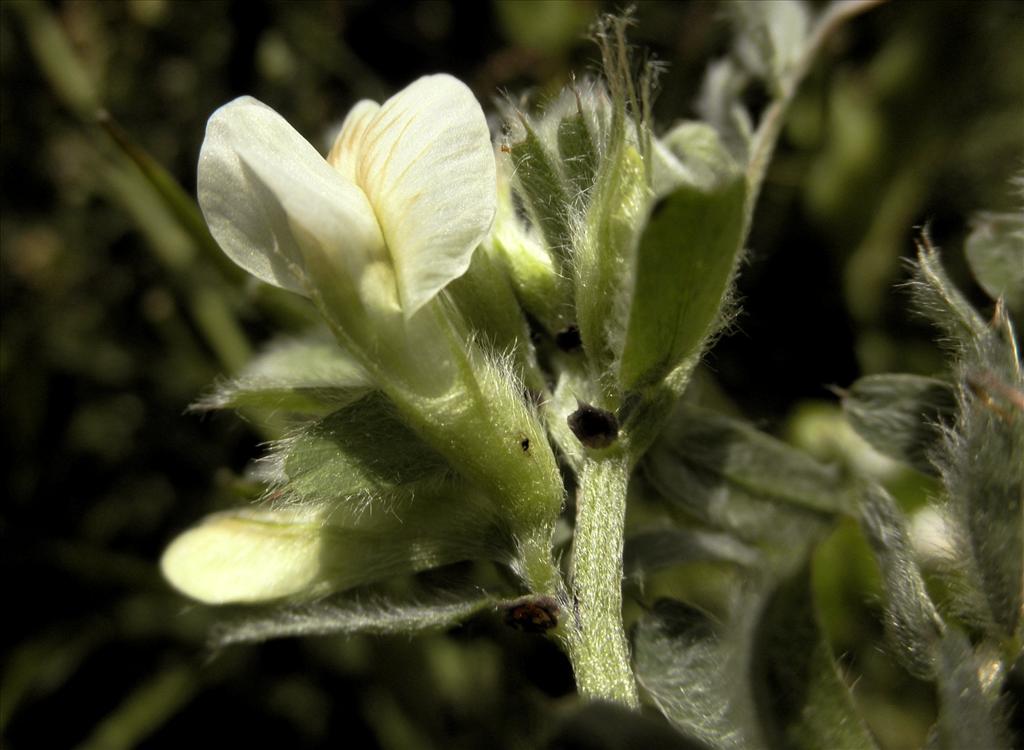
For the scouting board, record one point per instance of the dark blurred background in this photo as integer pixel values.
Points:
(114, 319)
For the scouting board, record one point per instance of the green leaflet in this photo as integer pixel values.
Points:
(772, 37)
(912, 624)
(306, 377)
(803, 702)
(981, 458)
(705, 461)
(655, 549)
(901, 415)
(763, 679)
(696, 673)
(968, 716)
(684, 264)
(995, 252)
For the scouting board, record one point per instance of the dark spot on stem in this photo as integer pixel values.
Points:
(595, 428)
(531, 614)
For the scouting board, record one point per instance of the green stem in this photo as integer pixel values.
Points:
(597, 644)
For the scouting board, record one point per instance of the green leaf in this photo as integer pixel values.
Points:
(685, 263)
(697, 673)
(352, 456)
(804, 704)
(968, 717)
(309, 377)
(655, 549)
(912, 624)
(995, 252)
(901, 416)
(702, 456)
(348, 615)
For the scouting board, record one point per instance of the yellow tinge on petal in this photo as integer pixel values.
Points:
(344, 154)
(246, 556)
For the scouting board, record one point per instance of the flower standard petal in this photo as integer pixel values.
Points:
(271, 200)
(426, 164)
(344, 154)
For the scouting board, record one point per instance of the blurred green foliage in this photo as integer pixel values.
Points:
(117, 315)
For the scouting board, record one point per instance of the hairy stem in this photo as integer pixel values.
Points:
(597, 644)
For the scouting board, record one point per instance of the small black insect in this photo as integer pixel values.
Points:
(531, 614)
(595, 428)
(525, 444)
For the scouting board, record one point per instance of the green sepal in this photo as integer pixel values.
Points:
(684, 265)
(604, 251)
(350, 457)
(542, 292)
(579, 157)
(540, 183)
(487, 302)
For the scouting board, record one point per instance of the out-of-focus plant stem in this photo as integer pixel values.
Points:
(144, 189)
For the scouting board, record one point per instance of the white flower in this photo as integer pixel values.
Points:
(391, 216)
